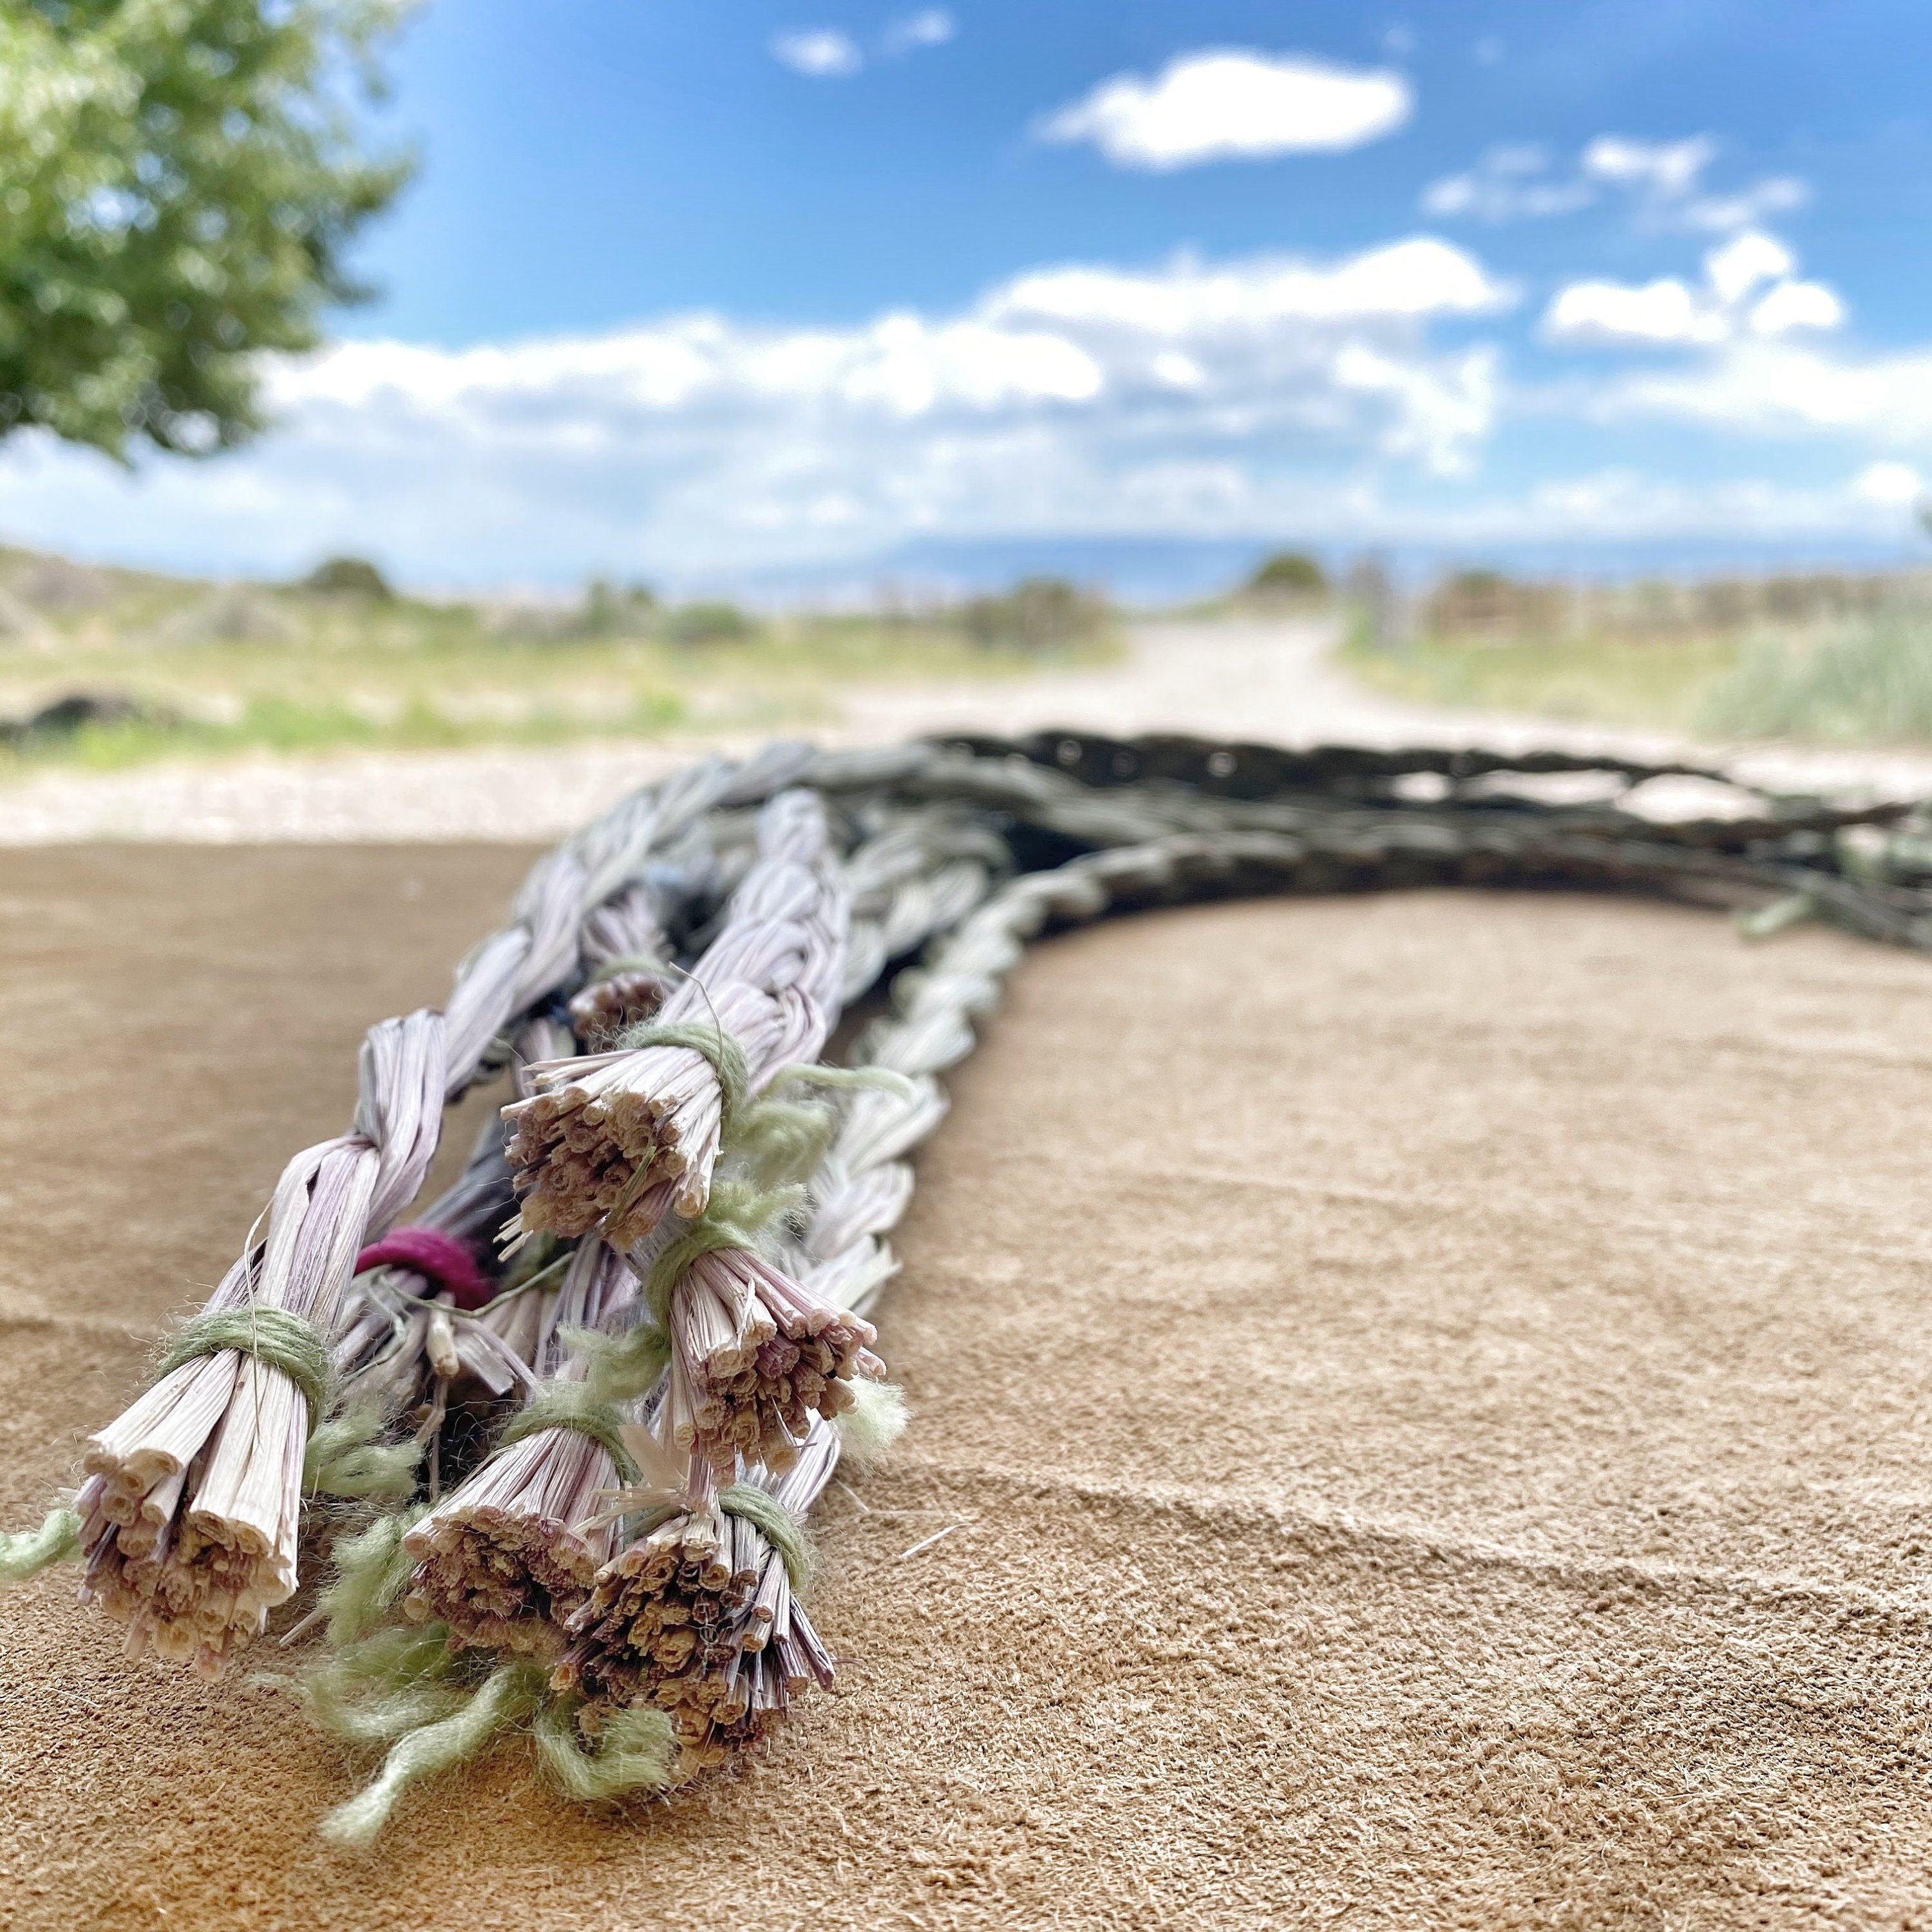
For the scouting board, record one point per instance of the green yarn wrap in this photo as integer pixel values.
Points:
(509, 1695)
(782, 1530)
(433, 1722)
(626, 962)
(374, 1690)
(634, 1751)
(620, 1368)
(875, 1079)
(271, 1335)
(874, 1422)
(573, 1405)
(348, 1455)
(725, 1054)
(27, 1551)
(371, 1567)
(780, 1140)
(733, 1218)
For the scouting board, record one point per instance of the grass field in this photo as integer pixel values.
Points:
(1662, 686)
(1864, 681)
(202, 669)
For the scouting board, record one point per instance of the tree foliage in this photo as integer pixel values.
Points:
(1288, 573)
(178, 179)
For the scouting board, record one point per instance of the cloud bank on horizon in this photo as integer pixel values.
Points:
(1654, 362)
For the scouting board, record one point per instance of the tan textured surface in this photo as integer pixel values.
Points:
(1436, 1387)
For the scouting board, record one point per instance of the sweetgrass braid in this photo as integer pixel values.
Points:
(972, 846)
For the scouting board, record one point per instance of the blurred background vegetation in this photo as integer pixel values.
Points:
(1823, 657)
(110, 666)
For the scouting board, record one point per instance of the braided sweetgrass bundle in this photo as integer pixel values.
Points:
(559, 1437)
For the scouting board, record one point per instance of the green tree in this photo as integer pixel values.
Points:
(1288, 573)
(178, 179)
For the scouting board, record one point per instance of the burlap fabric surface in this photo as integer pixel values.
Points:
(1435, 1389)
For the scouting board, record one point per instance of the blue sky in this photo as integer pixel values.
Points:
(753, 294)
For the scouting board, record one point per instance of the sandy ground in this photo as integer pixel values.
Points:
(1264, 681)
(1433, 1391)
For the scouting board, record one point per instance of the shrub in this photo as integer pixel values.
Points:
(611, 610)
(1038, 613)
(708, 623)
(1288, 573)
(349, 577)
(1486, 604)
(1868, 682)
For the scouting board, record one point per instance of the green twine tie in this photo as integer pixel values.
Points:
(572, 1406)
(782, 1530)
(732, 1218)
(726, 1056)
(441, 1727)
(274, 1336)
(626, 962)
(620, 1368)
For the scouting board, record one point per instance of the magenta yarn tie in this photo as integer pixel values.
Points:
(438, 1258)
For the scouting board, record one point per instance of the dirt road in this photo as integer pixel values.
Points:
(1271, 681)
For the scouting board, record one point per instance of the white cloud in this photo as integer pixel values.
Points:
(1411, 280)
(1776, 387)
(1738, 267)
(1718, 213)
(1797, 305)
(1891, 485)
(1516, 181)
(1667, 168)
(901, 363)
(1661, 311)
(1229, 104)
(1178, 370)
(1200, 398)
(931, 27)
(822, 53)
(1669, 311)
(1506, 184)
(1445, 410)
